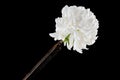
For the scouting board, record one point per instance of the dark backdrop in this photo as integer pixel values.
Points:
(27, 40)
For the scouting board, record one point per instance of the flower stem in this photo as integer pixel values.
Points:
(44, 60)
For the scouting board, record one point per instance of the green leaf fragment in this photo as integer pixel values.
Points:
(66, 40)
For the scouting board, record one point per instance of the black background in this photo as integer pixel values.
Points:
(27, 39)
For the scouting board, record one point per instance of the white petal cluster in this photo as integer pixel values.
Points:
(76, 28)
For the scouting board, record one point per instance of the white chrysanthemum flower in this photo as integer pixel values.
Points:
(76, 28)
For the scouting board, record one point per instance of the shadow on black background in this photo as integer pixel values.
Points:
(28, 40)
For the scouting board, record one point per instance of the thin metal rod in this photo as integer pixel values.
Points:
(42, 60)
